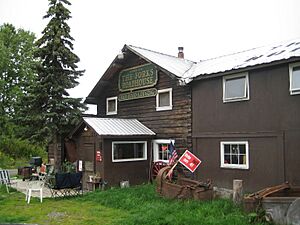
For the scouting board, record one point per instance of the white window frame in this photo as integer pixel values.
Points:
(293, 91)
(234, 166)
(246, 94)
(162, 108)
(128, 142)
(116, 105)
(155, 148)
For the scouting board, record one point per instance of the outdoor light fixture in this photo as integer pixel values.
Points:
(120, 55)
(85, 128)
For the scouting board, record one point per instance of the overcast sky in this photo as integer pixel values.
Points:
(205, 28)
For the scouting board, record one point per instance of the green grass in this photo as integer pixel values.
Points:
(136, 205)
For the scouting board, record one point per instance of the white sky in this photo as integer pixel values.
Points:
(205, 28)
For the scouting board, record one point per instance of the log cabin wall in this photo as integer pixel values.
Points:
(55, 154)
(99, 168)
(85, 142)
(51, 152)
(175, 123)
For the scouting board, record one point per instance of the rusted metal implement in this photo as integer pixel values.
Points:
(281, 203)
(253, 201)
(268, 191)
(182, 188)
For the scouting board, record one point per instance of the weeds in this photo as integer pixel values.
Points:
(137, 205)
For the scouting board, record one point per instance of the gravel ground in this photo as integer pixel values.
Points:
(21, 186)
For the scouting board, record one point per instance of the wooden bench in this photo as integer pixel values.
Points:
(65, 184)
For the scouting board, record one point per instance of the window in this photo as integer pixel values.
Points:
(123, 151)
(294, 70)
(236, 88)
(164, 99)
(111, 106)
(235, 154)
(160, 150)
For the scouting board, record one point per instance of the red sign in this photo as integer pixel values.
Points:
(98, 156)
(190, 161)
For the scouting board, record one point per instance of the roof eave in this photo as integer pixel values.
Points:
(173, 76)
(244, 69)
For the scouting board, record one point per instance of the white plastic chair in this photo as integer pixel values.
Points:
(34, 186)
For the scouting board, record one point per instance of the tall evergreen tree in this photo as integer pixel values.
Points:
(51, 108)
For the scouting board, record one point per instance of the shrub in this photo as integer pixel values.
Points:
(15, 149)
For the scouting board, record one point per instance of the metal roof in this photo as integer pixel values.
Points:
(118, 127)
(252, 57)
(186, 70)
(175, 65)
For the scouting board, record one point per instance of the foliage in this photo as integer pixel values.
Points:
(5, 160)
(135, 205)
(258, 217)
(9, 162)
(16, 147)
(17, 73)
(51, 108)
(68, 167)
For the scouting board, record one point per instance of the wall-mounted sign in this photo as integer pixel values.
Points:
(137, 77)
(98, 156)
(137, 94)
(79, 165)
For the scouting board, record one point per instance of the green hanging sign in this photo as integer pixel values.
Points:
(145, 93)
(138, 77)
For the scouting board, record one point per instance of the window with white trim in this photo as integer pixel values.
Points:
(234, 154)
(161, 150)
(294, 70)
(164, 99)
(123, 151)
(236, 87)
(111, 106)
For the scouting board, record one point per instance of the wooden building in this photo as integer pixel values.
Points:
(135, 86)
(246, 117)
(238, 113)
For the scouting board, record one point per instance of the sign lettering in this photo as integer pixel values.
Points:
(137, 78)
(137, 94)
(190, 161)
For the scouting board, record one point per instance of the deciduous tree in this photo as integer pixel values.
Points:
(17, 72)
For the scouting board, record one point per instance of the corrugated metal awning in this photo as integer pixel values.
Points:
(118, 127)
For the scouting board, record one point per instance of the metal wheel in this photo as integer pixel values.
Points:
(156, 168)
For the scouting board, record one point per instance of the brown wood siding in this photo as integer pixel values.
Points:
(51, 150)
(262, 172)
(55, 153)
(175, 123)
(86, 144)
(269, 121)
(136, 172)
(100, 147)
